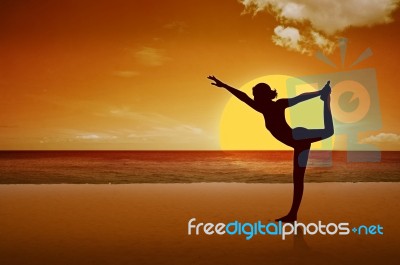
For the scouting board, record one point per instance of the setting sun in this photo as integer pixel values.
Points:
(242, 128)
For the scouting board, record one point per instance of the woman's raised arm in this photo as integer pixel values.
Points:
(237, 93)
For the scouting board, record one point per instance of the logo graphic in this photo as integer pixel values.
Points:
(355, 104)
(279, 229)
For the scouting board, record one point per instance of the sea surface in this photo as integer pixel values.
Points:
(115, 167)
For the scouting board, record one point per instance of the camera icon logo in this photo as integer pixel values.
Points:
(355, 109)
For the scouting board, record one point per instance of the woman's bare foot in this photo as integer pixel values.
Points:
(325, 96)
(326, 91)
(287, 219)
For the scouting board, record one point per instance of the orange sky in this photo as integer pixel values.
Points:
(131, 74)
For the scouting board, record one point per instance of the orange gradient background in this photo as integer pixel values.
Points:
(132, 74)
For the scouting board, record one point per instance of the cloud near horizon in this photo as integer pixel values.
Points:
(382, 138)
(320, 26)
(153, 127)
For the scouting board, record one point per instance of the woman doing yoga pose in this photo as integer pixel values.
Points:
(298, 138)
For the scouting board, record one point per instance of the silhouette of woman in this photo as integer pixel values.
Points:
(298, 138)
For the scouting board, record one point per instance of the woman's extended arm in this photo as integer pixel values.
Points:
(309, 95)
(237, 93)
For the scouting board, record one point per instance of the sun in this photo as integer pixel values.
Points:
(242, 128)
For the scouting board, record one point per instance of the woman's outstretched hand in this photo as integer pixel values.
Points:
(217, 82)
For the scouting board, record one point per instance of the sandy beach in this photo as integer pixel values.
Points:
(147, 223)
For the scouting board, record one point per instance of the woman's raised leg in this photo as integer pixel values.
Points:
(328, 121)
(315, 135)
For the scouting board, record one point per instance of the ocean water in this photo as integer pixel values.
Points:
(114, 167)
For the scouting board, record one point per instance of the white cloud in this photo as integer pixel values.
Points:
(125, 126)
(326, 18)
(92, 136)
(87, 136)
(151, 56)
(288, 37)
(179, 26)
(382, 138)
(176, 133)
(125, 112)
(153, 127)
(125, 74)
(77, 136)
(322, 42)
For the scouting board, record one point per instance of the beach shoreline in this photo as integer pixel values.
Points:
(147, 223)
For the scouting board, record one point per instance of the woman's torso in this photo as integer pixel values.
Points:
(275, 121)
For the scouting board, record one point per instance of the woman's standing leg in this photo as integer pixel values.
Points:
(300, 159)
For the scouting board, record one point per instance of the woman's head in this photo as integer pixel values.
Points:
(262, 91)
